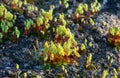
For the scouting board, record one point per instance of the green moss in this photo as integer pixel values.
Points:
(114, 36)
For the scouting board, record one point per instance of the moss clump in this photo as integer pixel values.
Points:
(63, 49)
(114, 36)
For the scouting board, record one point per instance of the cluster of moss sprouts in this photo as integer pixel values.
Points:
(31, 9)
(4, 14)
(22, 7)
(7, 21)
(60, 54)
(42, 21)
(64, 3)
(63, 49)
(28, 25)
(84, 13)
(14, 4)
(114, 36)
(105, 73)
(88, 60)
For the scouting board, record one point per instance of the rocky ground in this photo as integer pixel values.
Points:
(105, 56)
